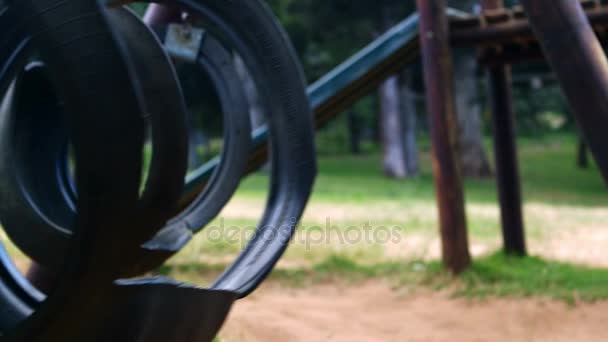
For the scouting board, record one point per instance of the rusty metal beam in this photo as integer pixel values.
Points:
(437, 60)
(577, 57)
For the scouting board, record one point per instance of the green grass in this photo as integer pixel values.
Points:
(502, 275)
(495, 275)
(352, 191)
(547, 164)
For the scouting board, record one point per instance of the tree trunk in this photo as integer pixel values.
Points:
(473, 156)
(408, 110)
(354, 130)
(392, 132)
(582, 159)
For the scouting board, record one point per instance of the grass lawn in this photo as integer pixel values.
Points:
(497, 275)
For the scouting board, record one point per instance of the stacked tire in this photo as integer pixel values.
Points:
(100, 77)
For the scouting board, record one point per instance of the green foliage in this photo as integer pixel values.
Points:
(327, 32)
(539, 111)
(333, 139)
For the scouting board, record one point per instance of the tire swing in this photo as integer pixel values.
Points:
(112, 225)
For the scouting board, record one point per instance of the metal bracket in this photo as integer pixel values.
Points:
(184, 41)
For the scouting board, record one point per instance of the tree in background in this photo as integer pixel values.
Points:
(393, 134)
(472, 152)
(391, 115)
(409, 100)
(473, 156)
(354, 130)
(325, 33)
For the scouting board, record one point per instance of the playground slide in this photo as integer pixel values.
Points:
(344, 85)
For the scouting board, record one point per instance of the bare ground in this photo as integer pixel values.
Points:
(557, 232)
(374, 312)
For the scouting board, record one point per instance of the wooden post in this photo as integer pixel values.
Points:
(575, 53)
(505, 151)
(437, 60)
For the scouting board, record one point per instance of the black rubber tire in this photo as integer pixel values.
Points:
(261, 43)
(249, 27)
(88, 68)
(108, 206)
(206, 202)
(35, 174)
(264, 47)
(34, 201)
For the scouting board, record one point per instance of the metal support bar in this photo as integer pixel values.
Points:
(577, 58)
(437, 59)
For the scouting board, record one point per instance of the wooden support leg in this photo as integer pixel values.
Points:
(437, 59)
(507, 169)
(505, 151)
(575, 53)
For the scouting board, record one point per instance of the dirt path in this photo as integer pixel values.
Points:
(374, 312)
